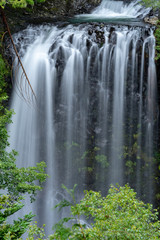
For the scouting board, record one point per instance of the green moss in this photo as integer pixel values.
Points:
(4, 73)
(54, 9)
(157, 35)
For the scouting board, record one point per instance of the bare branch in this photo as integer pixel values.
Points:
(16, 52)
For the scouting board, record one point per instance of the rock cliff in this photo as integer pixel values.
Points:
(50, 11)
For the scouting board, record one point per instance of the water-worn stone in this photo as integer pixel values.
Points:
(152, 20)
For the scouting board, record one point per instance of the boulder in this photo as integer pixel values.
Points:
(151, 19)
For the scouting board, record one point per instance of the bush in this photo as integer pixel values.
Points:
(119, 215)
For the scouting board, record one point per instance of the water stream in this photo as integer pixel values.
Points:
(95, 119)
(113, 11)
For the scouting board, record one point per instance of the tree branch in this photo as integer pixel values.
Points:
(16, 52)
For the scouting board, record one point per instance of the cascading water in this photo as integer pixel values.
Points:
(117, 9)
(96, 109)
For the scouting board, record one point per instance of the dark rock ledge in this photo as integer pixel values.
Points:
(48, 12)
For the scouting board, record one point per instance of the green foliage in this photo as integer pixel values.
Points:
(7, 208)
(19, 3)
(35, 232)
(155, 4)
(157, 35)
(130, 153)
(151, 3)
(119, 215)
(4, 71)
(5, 115)
(94, 155)
(69, 146)
(102, 159)
(15, 181)
(130, 167)
(62, 232)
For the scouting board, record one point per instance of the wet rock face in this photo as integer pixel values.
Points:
(49, 11)
(85, 6)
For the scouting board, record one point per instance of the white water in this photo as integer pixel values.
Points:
(95, 109)
(83, 93)
(118, 9)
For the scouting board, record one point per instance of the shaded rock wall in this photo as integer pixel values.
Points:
(50, 11)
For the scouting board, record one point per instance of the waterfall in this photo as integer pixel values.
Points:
(118, 9)
(95, 117)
